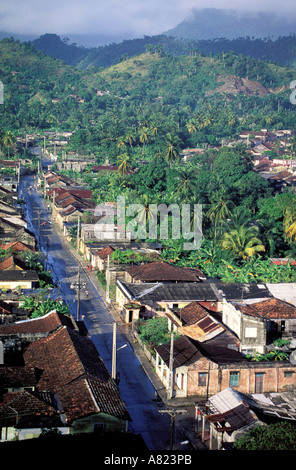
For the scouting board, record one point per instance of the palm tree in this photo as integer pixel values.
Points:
(143, 135)
(237, 218)
(243, 242)
(144, 214)
(130, 138)
(124, 164)
(33, 261)
(171, 148)
(121, 143)
(219, 209)
(191, 126)
(289, 222)
(8, 140)
(185, 183)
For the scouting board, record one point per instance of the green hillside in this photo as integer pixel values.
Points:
(141, 113)
(281, 50)
(227, 92)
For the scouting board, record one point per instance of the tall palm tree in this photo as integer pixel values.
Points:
(243, 242)
(289, 222)
(124, 164)
(192, 126)
(185, 183)
(8, 140)
(143, 136)
(121, 144)
(219, 209)
(171, 148)
(130, 138)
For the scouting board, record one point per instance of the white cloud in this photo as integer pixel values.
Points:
(115, 16)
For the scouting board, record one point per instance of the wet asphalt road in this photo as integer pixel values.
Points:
(135, 387)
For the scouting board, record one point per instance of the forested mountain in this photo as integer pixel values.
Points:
(140, 114)
(44, 92)
(281, 50)
(210, 23)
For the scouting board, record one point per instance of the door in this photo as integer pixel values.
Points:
(130, 316)
(259, 382)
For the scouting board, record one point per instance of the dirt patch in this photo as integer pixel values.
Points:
(235, 85)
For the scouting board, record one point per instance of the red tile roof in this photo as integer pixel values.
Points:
(69, 365)
(44, 324)
(70, 361)
(28, 407)
(17, 246)
(270, 309)
(105, 168)
(103, 254)
(192, 313)
(12, 262)
(163, 271)
(83, 193)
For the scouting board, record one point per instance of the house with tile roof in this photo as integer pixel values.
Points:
(258, 324)
(99, 258)
(162, 271)
(204, 368)
(159, 298)
(11, 231)
(232, 414)
(66, 366)
(14, 279)
(12, 263)
(16, 246)
(198, 323)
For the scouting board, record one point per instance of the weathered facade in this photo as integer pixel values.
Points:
(204, 370)
(257, 324)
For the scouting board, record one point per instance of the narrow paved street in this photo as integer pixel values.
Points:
(135, 387)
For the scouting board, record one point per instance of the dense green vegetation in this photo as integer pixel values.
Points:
(141, 113)
(154, 332)
(280, 50)
(277, 436)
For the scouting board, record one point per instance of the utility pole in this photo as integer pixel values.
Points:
(114, 352)
(19, 173)
(78, 285)
(171, 367)
(39, 230)
(78, 294)
(78, 234)
(53, 202)
(173, 414)
(107, 279)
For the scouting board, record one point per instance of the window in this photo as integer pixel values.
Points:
(158, 308)
(250, 332)
(259, 382)
(234, 379)
(288, 373)
(98, 427)
(202, 379)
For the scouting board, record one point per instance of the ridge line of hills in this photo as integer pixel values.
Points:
(43, 91)
(281, 50)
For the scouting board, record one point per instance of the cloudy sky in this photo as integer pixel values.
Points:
(129, 18)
